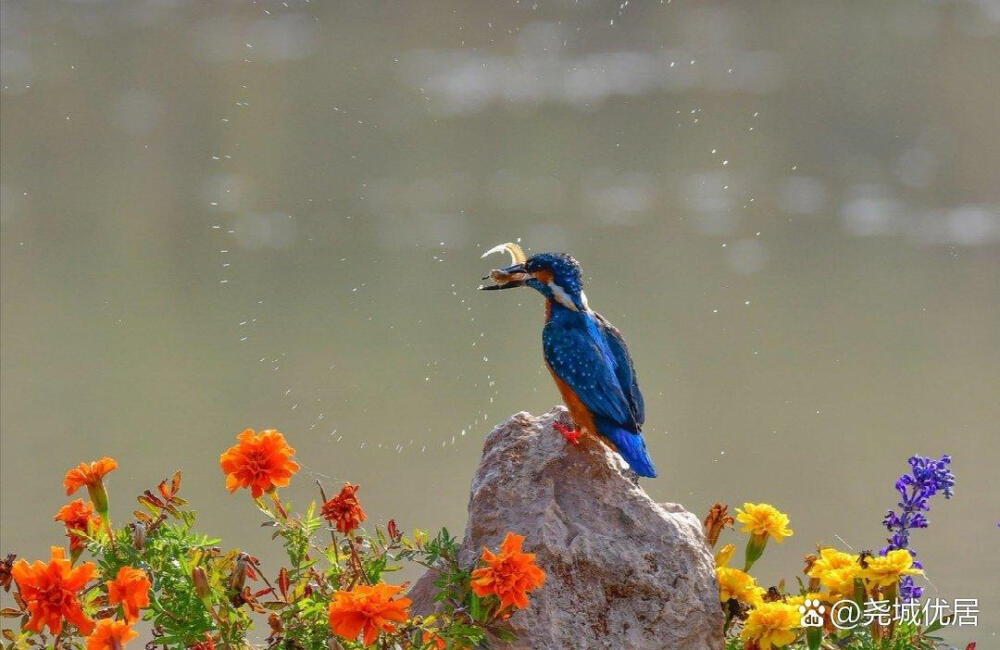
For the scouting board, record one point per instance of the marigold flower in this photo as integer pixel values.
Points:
(809, 595)
(734, 583)
(430, 637)
(369, 610)
(110, 635)
(344, 510)
(130, 588)
(259, 462)
(79, 517)
(50, 592)
(841, 581)
(770, 625)
(509, 575)
(835, 570)
(763, 519)
(724, 554)
(88, 474)
(91, 476)
(884, 571)
(716, 520)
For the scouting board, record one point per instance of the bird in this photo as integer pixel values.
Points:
(586, 355)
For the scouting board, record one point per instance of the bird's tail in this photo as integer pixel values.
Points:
(632, 448)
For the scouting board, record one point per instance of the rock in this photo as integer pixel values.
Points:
(622, 571)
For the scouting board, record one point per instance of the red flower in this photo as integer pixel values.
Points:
(79, 517)
(50, 592)
(130, 588)
(509, 575)
(260, 462)
(110, 635)
(344, 510)
(369, 609)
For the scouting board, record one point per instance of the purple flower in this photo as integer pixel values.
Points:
(926, 478)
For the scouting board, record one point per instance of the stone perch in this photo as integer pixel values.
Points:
(622, 571)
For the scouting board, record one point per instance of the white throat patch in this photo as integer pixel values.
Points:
(562, 297)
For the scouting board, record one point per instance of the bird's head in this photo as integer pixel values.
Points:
(555, 275)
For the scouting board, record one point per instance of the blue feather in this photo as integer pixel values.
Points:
(632, 448)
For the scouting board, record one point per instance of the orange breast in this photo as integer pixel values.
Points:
(581, 416)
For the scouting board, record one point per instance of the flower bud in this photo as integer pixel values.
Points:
(200, 580)
(723, 555)
(239, 576)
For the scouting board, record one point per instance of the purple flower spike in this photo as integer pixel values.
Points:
(926, 478)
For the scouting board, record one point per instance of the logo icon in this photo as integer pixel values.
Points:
(812, 613)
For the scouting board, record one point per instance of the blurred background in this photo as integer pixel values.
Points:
(270, 214)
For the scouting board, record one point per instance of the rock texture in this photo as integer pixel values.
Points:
(622, 571)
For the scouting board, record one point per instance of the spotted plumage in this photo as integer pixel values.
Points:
(586, 354)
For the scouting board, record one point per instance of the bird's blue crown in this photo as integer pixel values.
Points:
(564, 269)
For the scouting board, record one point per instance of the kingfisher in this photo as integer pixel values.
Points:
(584, 352)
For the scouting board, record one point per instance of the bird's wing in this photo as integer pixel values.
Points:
(625, 370)
(581, 358)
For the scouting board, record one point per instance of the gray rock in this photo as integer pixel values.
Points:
(622, 571)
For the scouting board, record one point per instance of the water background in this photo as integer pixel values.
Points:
(266, 214)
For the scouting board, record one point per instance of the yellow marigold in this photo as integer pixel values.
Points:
(110, 635)
(812, 595)
(368, 610)
(885, 571)
(771, 625)
(734, 583)
(831, 558)
(763, 519)
(836, 570)
(260, 462)
(509, 575)
(130, 588)
(841, 581)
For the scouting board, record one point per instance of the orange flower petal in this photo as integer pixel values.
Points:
(87, 474)
(130, 588)
(260, 462)
(50, 592)
(110, 635)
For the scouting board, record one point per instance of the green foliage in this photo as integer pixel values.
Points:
(203, 596)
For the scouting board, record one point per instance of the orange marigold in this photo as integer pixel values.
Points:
(78, 516)
(510, 575)
(207, 644)
(429, 637)
(130, 588)
(260, 462)
(344, 510)
(368, 609)
(110, 635)
(50, 592)
(88, 474)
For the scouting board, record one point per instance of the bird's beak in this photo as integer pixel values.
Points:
(506, 278)
(511, 276)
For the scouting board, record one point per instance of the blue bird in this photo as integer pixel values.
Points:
(586, 354)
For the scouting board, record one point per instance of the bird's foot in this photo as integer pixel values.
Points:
(571, 435)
